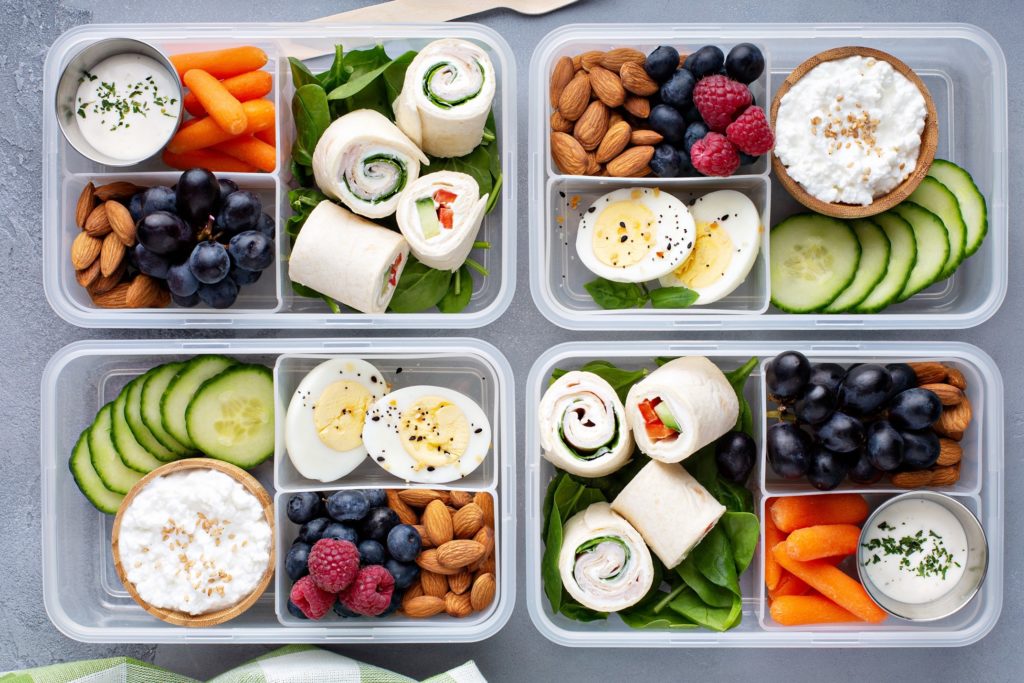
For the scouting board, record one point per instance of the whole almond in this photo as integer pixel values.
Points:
(423, 606)
(143, 291)
(105, 283)
(577, 63)
(631, 162)
(642, 173)
(457, 606)
(87, 276)
(467, 521)
(593, 167)
(588, 60)
(485, 537)
(121, 222)
(412, 592)
(614, 117)
(459, 553)
(486, 504)
(955, 436)
(85, 249)
(955, 419)
(487, 566)
(433, 583)
(607, 87)
(929, 372)
(117, 297)
(947, 393)
(162, 299)
(119, 189)
(645, 137)
(575, 97)
(913, 479)
(406, 515)
(635, 80)
(591, 127)
(561, 74)
(639, 107)
(614, 60)
(956, 378)
(427, 560)
(460, 583)
(950, 452)
(945, 476)
(419, 498)
(615, 140)
(86, 201)
(482, 594)
(97, 224)
(111, 254)
(568, 154)
(424, 539)
(560, 124)
(438, 523)
(460, 498)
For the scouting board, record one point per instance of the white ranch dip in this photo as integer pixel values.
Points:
(850, 130)
(127, 106)
(194, 541)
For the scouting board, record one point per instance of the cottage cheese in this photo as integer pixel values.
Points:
(194, 541)
(850, 130)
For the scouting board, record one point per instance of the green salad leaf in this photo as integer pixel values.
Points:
(301, 75)
(621, 380)
(689, 605)
(673, 297)
(614, 296)
(419, 288)
(743, 530)
(459, 293)
(312, 116)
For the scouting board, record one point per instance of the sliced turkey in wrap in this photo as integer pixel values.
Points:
(348, 258)
(440, 215)
(583, 428)
(604, 562)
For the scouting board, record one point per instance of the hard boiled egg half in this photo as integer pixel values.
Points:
(324, 423)
(427, 434)
(635, 234)
(728, 237)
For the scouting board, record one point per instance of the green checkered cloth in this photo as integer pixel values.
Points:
(290, 664)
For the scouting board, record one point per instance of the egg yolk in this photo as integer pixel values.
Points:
(623, 233)
(712, 253)
(339, 414)
(434, 431)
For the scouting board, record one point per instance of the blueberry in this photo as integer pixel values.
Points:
(787, 375)
(920, 449)
(181, 281)
(296, 561)
(662, 63)
(347, 506)
(378, 523)
(135, 206)
(691, 114)
(863, 472)
(185, 301)
(265, 225)
(376, 497)
(828, 375)
(304, 506)
(815, 405)
(404, 573)
(666, 162)
(158, 198)
(678, 89)
(667, 121)
(344, 612)
(841, 433)
(294, 610)
(251, 250)
(694, 132)
(735, 454)
(914, 409)
(396, 602)
(313, 530)
(685, 165)
(220, 295)
(341, 532)
(903, 377)
(865, 389)
(705, 61)
(371, 552)
(150, 263)
(209, 262)
(404, 543)
(884, 446)
(242, 277)
(746, 159)
(744, 63)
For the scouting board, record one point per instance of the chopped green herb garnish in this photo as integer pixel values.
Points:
(936, 562)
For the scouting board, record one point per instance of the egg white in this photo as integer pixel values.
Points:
(381, 436)
(737, 215)
(312, 457)
(673, 239)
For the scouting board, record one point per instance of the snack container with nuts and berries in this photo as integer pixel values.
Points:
(85, 599)
(979, 487)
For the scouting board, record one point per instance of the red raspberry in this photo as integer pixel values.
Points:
(751, 133)
(714, 155)
(333, 564)
(370, 594)
(309, 598)
(719, 99)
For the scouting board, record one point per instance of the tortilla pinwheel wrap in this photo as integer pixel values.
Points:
(583, 428)
(446, 97)
(604, 563)
(440, 216)
(364, 161)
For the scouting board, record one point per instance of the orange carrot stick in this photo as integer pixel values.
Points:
(250, 150)
(259, 115)
(798, 610)
(268, 135)
(823, 540)
(208, 159)
(796, 512)
(788, 585)
(772, 536)
(251, 85)
(222, 106)
(221, 63)
(832, 583)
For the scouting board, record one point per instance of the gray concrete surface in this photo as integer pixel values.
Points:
(30, 332)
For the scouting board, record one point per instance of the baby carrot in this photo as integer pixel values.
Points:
(823, 540)
(205, 132)
(772, 536)
(222, 106)
(798, 610)
(268, 135)
(251, 85)
(796, 512)
(208, 159)
(788, 585)
(250, 150)
(832, 583)
(221, 63)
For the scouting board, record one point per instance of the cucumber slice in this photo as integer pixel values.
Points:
(902, 257)
(813, 259)
(131, 451)
(90, 484)
(133, 416)
(666, 416)
(112, 472)
(181, 390)
(973, 209)
(231, 417)
(874, 260)
(932, 247)
(152, 393)
(933, 195)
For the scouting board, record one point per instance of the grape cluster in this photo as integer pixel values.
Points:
(855, 423)
(205, 237)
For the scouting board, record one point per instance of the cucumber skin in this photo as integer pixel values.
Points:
(786, 309)
(911, 206)
(165, 439)
(238, 368)
(109, 507)
(906, 276)
(119, 402)
(879, 278)
(94, 437)
(189, 365)
(969, 247)
(929, 183)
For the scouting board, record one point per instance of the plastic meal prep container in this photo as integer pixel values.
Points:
(270, 303)
(82, 594)
(980, 489)
(964, 69)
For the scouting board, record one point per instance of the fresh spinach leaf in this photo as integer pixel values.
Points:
(336, 75)
(646, 617)
(494, 195)
(394, 74)
(621, 380)
(690, 606)
(702, 467)
(301, 75)
(354, 85)
(476, 164)
(578, 612)
(714, 559)
(460, 291)
(550, 575)
(734, 497)
(713, 595)
(673, 297)
(312, 117)
(661, 360)
(616, 295)
(567, 493)
(743, 531)
(738, 379)
(419, 288)
(549, 498)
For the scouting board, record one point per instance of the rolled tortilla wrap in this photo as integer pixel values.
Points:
(583, 428)
(440, 215)
(690, 392)
(446, 97)
(364, 161)
(669, 508)
(348, 258)
(604, 562)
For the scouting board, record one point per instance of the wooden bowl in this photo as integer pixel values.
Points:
(176, 617)
(929, 139)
